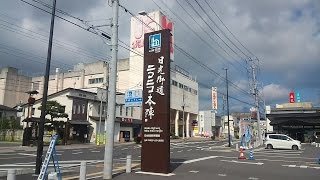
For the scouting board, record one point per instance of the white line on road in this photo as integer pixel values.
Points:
(180, 151)
(156, 174)
(303, 166)
(27, 154)
(77, 153)
(199, 159)
(124, 149)
(243, 162)
(95, 151)
(193, 171)
(189, 150)
(253, 178)
(223, 175)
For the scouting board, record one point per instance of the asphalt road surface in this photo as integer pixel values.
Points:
(189, 160)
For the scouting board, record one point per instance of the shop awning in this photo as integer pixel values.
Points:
(34, 119)
(295, 119)
(79, 122)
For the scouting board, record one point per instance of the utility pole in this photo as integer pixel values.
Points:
(100, 117)
(229, 138)
(183, 106)
(108, 153)
(45, 94)
(256, 99)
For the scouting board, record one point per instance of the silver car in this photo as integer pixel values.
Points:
(281, 141)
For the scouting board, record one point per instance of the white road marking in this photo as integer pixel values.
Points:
(124, 149)
(223, 175)
(243, 162)
(303, 166)
(95, 151)
(139, 156)
(189, 150)
(58, 154)
(155, 174)
(194, 171)
(253, 178)
(179, 151)
(77, 153)
(25, 154)
(199, 159)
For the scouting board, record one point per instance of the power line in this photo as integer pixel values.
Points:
(213, 30)
(229, 30)
(213, 48)
(220, 29)
(194, 59)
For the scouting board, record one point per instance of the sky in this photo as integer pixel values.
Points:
(282, 37)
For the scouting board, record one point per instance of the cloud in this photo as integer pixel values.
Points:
(275, 92)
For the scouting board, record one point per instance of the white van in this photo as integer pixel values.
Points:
(281, 141)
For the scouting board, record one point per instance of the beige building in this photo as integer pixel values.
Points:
(13, 87)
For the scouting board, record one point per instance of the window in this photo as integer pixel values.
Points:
(131, 111)
(79, 109)
(83, 108)
(273, 137)
(120, 110)
(96, 81)
(180, 85)
(74, 109)
(175, 83)
(127, 111)
(33, 110)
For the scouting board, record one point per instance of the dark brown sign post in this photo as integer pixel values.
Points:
(155, 152)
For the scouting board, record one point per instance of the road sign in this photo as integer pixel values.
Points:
(133, 98)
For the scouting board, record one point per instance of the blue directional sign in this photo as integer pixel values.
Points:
(133, 98)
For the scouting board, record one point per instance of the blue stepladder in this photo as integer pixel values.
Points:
(51, 154)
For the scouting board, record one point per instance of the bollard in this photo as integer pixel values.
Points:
(237, 147)
(11, 174)
(128, 164)
(83, 170)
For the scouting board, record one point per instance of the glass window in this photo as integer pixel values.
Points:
(120, 110)
(127, 111)
(131, 111)
(273, 137)
(79, 109)
(74, 109)
(83, 108)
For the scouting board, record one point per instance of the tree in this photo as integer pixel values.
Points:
(55, 110)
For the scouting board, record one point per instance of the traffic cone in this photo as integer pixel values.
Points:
(251, 155)
(241, 154)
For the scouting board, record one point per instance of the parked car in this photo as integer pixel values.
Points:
(281, 141)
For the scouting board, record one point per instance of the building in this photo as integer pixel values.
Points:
(7, 112)
(209, 123)
(83, 110)
(226, 127)
(298, 120)
(13, 87)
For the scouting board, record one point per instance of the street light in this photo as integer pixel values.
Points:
(229, 139)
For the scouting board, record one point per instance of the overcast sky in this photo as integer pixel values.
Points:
(284, 35)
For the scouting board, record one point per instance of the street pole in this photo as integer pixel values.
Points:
(100, 114)
(255, 93)
(229, 139)
(45, 93)
(108, 153)
(183, 105)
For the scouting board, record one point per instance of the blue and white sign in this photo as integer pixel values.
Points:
(133, 98)
(155, 41)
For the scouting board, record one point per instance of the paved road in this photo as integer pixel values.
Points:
(198, 159)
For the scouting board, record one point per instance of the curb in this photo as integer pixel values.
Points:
(3, 173)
